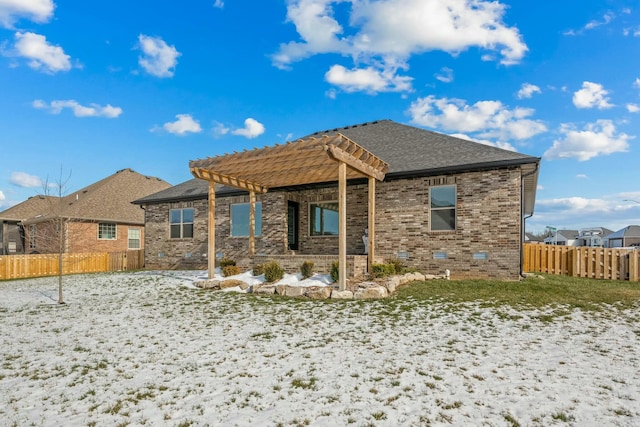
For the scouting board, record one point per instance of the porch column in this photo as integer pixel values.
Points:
(372, 224)
(342, 225)
(212, 229)
(252, 223)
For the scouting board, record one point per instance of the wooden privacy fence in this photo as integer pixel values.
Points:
(24, 266)
(595, 263)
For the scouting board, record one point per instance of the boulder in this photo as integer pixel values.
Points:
(264, 289)
(392, 284)
(208, 284)
(371, 292)
(294, 291)
(281, 289)
(419, 277)
(318, 292)
(231, 283)
(337, 294)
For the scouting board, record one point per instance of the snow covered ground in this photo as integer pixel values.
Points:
(150, 349)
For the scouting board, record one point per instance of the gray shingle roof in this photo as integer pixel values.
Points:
(410, 151)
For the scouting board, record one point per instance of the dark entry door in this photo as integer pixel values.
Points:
(293, 214)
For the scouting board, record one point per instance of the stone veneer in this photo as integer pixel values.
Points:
(488, 224)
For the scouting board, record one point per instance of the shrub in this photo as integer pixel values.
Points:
(397, 263)
(230, 270)
(306, 269)
(258, 270)
(224, 262)
(382, 270)
(273, 272)
(335, 271)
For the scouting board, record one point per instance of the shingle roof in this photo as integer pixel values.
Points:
(410, 151)
(109, 199)
(29, 208)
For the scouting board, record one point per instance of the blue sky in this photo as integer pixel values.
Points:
(93, 87)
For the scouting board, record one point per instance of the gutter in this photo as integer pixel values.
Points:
(524, 218)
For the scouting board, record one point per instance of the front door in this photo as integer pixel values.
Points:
(293, 214)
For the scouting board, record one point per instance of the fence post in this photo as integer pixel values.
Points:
(633, 265)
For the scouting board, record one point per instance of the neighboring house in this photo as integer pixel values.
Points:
(628, 236)
(532, 238)
(593, 236)
(563, 237)
(12, 233)
(97, 218)
(440, 203)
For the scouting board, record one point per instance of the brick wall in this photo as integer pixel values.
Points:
(488, 225)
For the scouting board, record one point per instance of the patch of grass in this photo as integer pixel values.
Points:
(304, 384)
(562, 416)
(534, 292)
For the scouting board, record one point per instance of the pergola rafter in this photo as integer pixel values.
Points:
(306, 161)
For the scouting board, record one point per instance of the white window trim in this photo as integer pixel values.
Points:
(115, 229)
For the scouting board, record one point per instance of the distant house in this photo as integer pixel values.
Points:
(628, 236)
(100, 217)
(564, 238)
(593, 236)
(532, 238)
(435, 201)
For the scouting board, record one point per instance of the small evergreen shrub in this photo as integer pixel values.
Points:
(335, 271)
(258, 270)
(382, 270)
(226, 261)
(230, 270)
(307, 269)
(397, 263)
(273, 272)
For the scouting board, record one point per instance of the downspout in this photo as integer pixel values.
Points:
(524, 219)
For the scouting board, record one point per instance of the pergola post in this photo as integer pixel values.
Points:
(252, 223)
(212, 229)
(342, 225)
(371, 255)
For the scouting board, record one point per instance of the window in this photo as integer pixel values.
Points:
(106, 231)
(32, 236)
(181, 222)
(240, 219)
(134, 238)
(443, 208)
(323, 219)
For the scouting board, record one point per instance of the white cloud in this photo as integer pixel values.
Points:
(636, 83)
(608, 17)
(367, 80)
(599, 138)
(384, 34)
(41, 55)
(158, 58)
(23, 179)
(491, 118)
(592, 95)
(93, 110)
(527, 90)
(540, 187)
(219, 4)
(252, 128)
(220, 130)
(445, 75)
(582, 176)
(498, 144)
(34, 10)
(2, 197)
(633, 108)
(183, 125)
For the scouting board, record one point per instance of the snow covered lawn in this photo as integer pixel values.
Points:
(150, 349)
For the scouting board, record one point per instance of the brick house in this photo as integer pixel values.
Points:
(439, 203)
(97, 218)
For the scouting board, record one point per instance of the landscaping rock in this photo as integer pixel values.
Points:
(337, 294)
(392, 284)
(231, 283)
(208, 284)
(318, 292)
(294, 291)
(371, 292)
(264, 289)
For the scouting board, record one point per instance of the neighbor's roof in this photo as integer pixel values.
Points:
(109, 199)
(409, 151)
(29, 208)
(628, 231)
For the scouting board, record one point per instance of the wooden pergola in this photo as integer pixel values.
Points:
(306, 161)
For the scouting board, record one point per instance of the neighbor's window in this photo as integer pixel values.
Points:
(323, 219)
(443, 208)
(181, 222)
(240, 219)
(32, 236)
(106, 231)
(134, 238)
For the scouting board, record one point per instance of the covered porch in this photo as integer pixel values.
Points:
(299, 163)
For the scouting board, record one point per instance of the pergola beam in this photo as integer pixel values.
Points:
(355, 163)
(220, 178)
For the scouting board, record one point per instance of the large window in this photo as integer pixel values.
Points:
(134, 238)
(240, 220)
(181, 221)
(106, 231)
(443, 208)
(323, 219)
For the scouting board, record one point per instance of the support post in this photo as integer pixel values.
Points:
(342, 225)
(371, 224)
(212, 229)
(252, 223)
